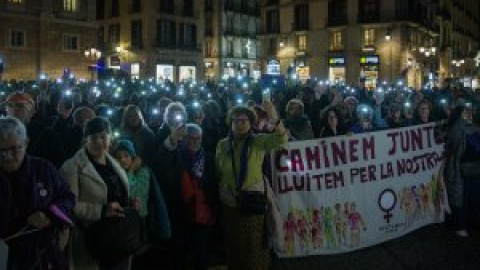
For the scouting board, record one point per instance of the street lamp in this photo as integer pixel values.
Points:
(93, 55)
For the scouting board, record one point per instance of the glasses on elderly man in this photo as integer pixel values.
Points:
(13, 150)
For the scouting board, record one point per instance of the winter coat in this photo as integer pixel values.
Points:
(45, 187)
(91, 192)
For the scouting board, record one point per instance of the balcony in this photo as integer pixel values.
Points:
(169, 45)
(304, 26)
(337, 21)
(368, 18)
(190, 47)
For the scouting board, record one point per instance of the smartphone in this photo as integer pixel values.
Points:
(266, 95)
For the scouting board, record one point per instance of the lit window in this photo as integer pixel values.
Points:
(70, 42)
(70, 5)
(17, 38)
(302, 42)
(337, 42)
(15, 1)
(368, 37)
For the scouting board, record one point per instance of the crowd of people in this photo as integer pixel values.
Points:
(74, 153)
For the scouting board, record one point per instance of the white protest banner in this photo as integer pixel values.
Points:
(344, 193)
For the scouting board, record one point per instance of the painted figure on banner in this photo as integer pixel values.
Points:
(406, 204)
(417, 206)
(289, 228)
(340, 225)
(425, 195)
(355, 220)
(317, 228)
(302, 231)
(328, 227)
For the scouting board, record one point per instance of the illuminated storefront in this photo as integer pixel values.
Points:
(164, 72)
(369, 70)
(187, 73)
(336, 69)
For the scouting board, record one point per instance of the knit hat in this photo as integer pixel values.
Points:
(125, 145)
(20, 97)
(96, 125)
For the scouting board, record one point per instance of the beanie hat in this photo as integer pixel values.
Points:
(20, 97)
(126, 145)
(96, 125)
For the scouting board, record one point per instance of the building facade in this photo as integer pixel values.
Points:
(45, 37)
(231, 45)
(371, 42)
(159, 39)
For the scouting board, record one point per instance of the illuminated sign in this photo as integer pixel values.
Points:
(369, 60)
(273, 67)
(336, 61)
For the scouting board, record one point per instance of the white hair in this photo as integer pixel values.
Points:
(193, 129)
(11, 126)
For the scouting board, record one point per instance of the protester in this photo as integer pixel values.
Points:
(101, 187)
(135, 129)
(244, 234)
(145, 194)
(43, 142)
(35, 203)
(332, 124)
(297, 124)
(192, 182)
(73, 139)
(462, 167)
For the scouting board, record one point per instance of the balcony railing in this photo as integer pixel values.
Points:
(336, 21)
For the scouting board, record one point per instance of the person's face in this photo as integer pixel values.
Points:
(294, 110)
(194, 142)
(124, 159)
(351, 105)
(332, 119)
(132, 119)
(12, 153)
(84, 116)
(240, 124)
(424, 111)
(467, 115)
(198, 117)
(21, 110)
(98, 143)
(395, 115)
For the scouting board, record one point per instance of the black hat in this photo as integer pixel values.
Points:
(96, 125)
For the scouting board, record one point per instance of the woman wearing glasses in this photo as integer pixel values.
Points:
(35, 203)
(239, 159)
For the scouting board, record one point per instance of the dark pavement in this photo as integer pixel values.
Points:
(431, 247)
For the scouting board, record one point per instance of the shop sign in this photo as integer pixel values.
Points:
(273, 67)
(369, 60)
(336, 61)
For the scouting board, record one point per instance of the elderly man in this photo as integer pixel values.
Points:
(35, 203)
(44, 142)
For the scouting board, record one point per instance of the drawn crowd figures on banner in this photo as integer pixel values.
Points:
(325, 227)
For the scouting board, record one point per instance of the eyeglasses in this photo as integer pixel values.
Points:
(14, 150)
(240, 120)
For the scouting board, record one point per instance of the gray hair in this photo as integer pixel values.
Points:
(193, 129)
(79, 111)
(171, 110)
(11, 126)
